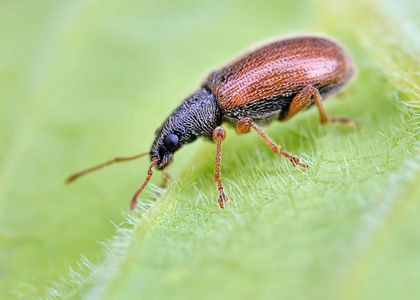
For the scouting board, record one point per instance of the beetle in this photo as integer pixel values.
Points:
(273, 82)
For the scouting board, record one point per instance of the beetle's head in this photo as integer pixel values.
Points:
(168, 139)
(197, 116)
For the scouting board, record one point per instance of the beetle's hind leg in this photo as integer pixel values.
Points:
(307, 96)
(244, 126)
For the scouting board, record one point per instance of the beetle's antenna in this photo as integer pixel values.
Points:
(149, 175)
(100, 166)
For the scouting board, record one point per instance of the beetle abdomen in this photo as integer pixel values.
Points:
(279, 71)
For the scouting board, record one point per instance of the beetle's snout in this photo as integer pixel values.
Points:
(164, 159)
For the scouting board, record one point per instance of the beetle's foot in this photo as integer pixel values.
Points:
(222, 197)
(296, 161)
(344, 121)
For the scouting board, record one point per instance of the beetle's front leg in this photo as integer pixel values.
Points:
(219, 135)
(244, 126)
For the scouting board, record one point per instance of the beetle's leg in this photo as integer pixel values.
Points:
(219, 135)
(244, 126)
(304, 98)
(166, 176)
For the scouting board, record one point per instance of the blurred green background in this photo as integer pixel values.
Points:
(84, 81)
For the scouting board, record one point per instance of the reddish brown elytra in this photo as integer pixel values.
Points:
(274, 82)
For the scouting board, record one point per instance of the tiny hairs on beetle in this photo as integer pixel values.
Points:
(274, 82)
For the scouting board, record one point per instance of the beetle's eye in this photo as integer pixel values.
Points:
(171, 142)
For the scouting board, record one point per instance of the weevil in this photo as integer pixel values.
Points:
(273, 82)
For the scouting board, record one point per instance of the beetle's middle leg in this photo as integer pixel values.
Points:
(307, 96)
(244, 126)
